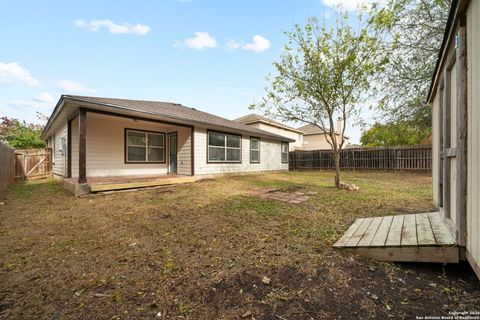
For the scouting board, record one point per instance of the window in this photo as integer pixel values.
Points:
(224, 147)
(254, 150)
(284, 152)
(143, 146)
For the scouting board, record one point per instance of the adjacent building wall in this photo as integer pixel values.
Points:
(435, 150)
(473, 158)
(270, 157)
(318, 142)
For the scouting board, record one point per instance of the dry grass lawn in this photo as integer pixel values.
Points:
(200, 251)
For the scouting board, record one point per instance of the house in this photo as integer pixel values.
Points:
(103, 144)
(266, 124)
(308, 137)
(455, 99)
(315, 138)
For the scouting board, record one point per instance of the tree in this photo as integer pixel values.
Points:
(394, 134)
(414, 32)
(19, 134)
(322, 75)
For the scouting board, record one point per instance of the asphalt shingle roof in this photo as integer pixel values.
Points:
(173, 111)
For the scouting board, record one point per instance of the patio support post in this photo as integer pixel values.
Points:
(82, 147)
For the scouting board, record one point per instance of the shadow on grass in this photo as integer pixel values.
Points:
(22, 189)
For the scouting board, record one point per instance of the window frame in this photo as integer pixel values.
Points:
(281, 151)
(146, 132)
(225, 147)
(259, 147)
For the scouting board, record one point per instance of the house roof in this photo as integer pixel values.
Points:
(311, 129)
(254, 118)
(456, 7)
(168, 110)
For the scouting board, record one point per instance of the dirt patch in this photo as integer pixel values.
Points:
(290, 195)
(202, 250)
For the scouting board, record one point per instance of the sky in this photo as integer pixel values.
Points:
(210, 55)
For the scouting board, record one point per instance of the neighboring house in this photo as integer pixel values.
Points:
(455, 97)
(266, 124)
(315, 138)
(308, 137)
(99, 137)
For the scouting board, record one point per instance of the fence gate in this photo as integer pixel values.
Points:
(33, 163)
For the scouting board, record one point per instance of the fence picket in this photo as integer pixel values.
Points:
(409, 158)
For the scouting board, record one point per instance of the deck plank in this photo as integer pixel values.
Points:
(395, 233)
(96, 187)
(442, 234)
(443, 254)
(424, 230)
(409, 230)
(353, 241)
(349, 233)
(370, 233)
(381, 236)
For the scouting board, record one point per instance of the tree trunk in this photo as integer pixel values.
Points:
(336, 159)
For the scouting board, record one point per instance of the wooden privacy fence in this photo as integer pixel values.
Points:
(7, 166)
(411, 158)
(33, 163)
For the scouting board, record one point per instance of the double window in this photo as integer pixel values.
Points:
(224, 147)
(144, 146)
(284, 152)
(254, 150)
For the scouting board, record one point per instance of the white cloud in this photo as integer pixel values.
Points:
(348, 4)
(26, 109)
(14, 72)
(259, 44)
(114, 28)
(202, 40)
(44, 97)
(233, 44)
(72, 86)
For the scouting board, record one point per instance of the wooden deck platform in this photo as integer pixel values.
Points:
(421, 237)
(99, 184)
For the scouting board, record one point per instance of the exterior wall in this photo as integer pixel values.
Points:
(270, 157)
(453, 143)
(59, 159)
(298, 137)
(74, 149)
(473, 139)
(435, 149)
(315, 142)
(106, 147)
(184, 140)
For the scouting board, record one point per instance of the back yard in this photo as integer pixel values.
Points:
(201, 251)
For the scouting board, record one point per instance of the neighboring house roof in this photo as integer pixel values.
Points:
(172, 111)
(311, 129)
(255, 118)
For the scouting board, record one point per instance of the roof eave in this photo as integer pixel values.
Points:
(66, 98)
(273, 124)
